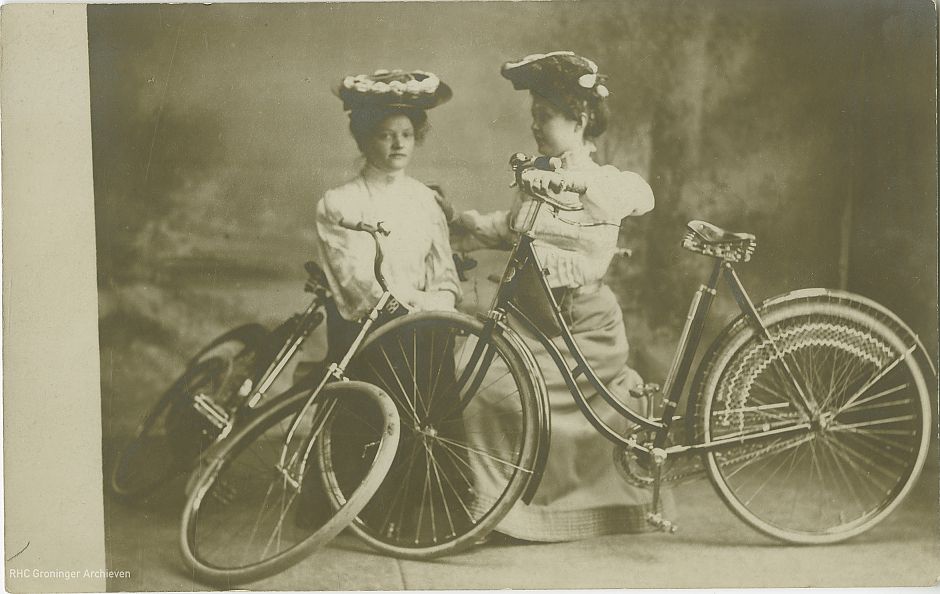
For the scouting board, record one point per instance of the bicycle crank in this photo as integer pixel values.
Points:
(639, 473)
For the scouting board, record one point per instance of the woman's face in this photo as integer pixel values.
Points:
(554, 131)
(391, 144)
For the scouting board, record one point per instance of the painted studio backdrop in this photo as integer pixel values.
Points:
(215, 132)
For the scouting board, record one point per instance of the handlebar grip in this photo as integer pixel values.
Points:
(520, 162)
(547, 163)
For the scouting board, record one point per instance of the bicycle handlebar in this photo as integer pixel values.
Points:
(365, 227)
(520, 162)
(374, 231)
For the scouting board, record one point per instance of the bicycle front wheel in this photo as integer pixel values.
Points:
(846, 409)
(470, 423)
(258, 506)
(470, 429)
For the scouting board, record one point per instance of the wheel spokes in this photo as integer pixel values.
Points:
(862, 441)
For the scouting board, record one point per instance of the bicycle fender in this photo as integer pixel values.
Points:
(543, 442)
(249, 334)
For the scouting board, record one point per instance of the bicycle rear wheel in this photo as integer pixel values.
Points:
(470, 426)
(253, 509)
(172, 434)
(867, 430)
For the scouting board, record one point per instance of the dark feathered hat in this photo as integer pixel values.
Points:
(556, 74)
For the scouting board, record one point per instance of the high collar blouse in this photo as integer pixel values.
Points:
(417, 254)
(575, 247)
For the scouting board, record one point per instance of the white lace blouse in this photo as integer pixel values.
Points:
(575, 247)
(418, 263)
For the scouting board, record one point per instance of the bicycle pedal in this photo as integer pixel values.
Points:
(646, 390)
(660, 523)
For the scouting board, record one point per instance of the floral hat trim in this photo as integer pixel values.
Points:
(393, 88)
(555, 69)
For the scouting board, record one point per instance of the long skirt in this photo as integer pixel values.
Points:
(581, 494)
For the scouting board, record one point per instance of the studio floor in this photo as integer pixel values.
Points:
(712, 549)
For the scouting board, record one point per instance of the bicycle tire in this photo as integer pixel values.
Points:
(468, 486)
(867, 441)
(224, 490)
(169, 439)
(244, 335)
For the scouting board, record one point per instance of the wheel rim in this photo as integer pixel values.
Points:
(867, 427)
(250, 511)
(454, 464)
(173, 434)
(169, 437)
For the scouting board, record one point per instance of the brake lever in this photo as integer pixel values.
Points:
(518, 162)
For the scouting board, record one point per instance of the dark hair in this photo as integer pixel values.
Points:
(364, 121)
(573, 104)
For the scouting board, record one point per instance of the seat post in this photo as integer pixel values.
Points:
(685, 352)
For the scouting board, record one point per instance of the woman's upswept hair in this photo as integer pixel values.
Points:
(364, 121)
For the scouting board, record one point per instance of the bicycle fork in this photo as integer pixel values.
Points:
(288, 465)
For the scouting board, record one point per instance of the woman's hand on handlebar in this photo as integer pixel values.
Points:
(540, 176)
(551, 187)
(542, 182)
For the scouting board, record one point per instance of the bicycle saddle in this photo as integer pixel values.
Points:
(711, 240)
(714, 234)
(316, 275)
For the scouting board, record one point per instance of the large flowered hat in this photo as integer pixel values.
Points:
(561, 73)
(393, 88)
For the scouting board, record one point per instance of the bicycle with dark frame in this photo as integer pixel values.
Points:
(810, 411)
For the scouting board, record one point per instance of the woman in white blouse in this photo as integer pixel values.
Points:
(581, 494)
(387, 119)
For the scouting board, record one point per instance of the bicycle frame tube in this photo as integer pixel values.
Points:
(309, 319)
(336, 371)
(524, 255)
(726, 441)
(747, 307)
(685, 352)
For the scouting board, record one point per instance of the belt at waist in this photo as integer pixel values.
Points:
(588, 289)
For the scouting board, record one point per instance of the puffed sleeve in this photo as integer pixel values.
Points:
(442, 287)
(493, 230)
(346, 257)
(618, 194)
